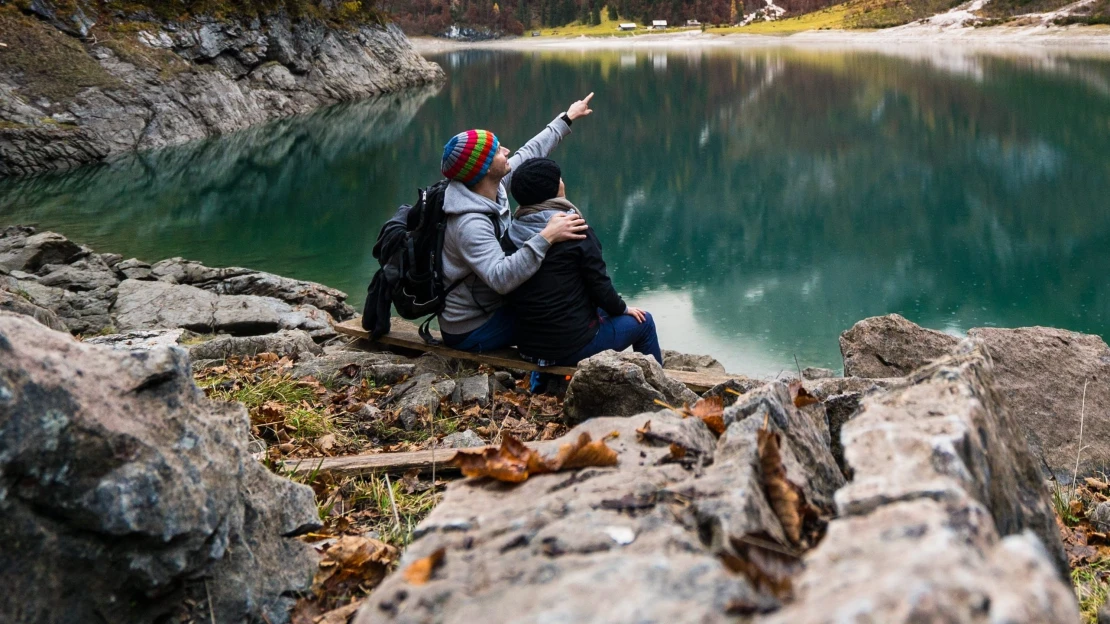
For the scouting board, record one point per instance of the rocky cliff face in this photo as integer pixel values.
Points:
(82, 85)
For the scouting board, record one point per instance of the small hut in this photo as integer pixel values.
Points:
(659, 24)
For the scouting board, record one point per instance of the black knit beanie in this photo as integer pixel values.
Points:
(535, 181)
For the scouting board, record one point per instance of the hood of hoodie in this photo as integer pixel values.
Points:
(531, 221)
(458, 199)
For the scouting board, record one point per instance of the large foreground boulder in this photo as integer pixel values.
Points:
(652, 539)
(890, 346)
(1051, 380)
(129, 497)
(621, 384)
(946, 518)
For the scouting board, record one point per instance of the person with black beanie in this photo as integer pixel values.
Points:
(569, 309)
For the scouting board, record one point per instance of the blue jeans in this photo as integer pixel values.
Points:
(617, 334)
(496, 333)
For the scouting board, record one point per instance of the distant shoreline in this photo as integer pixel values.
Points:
(1088, 40)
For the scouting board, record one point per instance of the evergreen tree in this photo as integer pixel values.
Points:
(595, 15)
(613, 12)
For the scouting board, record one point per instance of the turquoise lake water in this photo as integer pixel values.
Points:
(758, 201)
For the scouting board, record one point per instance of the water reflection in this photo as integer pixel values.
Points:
(759, 200)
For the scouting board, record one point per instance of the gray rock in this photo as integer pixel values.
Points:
(839, 409)
(1104, 613)
(436, 364)
(18, 304)
(812, 373)
(86, 312)
(598, 544)
(674, 360)
(140, 340)
(293, 343)
(350, 367)
(23, 250)
(135, 269)
(501, 381)
(159, 305)
(1100, 517)
(128, 496)
(949, 554)
(806, 454)
(472, 389)
(827, 387)
(621, 384)
(1041, 374)
(730, 390)
(89, 273)
(948, 437)
(462, 439)
(417, 400)
(890, 346)
(184, 93)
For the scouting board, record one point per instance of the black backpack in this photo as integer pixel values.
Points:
(410, 252)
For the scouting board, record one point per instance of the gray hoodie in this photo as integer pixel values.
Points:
(471, 249)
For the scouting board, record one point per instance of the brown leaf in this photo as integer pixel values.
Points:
(1075, 507)
(764, 562)
(267, 358)
(785, 497)
(342, 615)
(582, 454)
(421, 570)
(271, 411)
(508, 463)
(1096, 484)
(411, 480)
(351, 562)
(642, 432)
(711, 412)
(677, 452)
(800, 395)
(514, 462)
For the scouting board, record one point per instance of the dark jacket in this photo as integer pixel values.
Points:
(556, 309)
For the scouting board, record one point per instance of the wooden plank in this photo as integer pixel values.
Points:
(372, 463)
(405, 335)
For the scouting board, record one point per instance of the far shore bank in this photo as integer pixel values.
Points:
(1086, 40)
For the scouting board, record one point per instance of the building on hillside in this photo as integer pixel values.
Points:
(692, 23)
(659, 24)
(627, 26)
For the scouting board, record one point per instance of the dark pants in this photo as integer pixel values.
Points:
(616, 333)
(496, 333)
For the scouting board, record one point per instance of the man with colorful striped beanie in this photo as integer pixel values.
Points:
(480, 170)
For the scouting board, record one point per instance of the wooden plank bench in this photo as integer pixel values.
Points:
(404, 335)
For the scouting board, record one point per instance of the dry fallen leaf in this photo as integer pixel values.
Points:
(514, 462)
(1096, 484)
(342, 615)
(351, 562)
(643, 432)
(785, 497)
(677, 452)
(711, 412)
(800, 395)
(582, 454)
(764, 562)
(421, 570)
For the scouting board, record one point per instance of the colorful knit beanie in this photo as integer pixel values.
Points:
(468, 155)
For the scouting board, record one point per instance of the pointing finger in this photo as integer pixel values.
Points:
(586, 100)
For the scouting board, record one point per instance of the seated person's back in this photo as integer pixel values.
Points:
(562, 309)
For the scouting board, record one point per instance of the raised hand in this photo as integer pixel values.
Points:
(581, 108)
